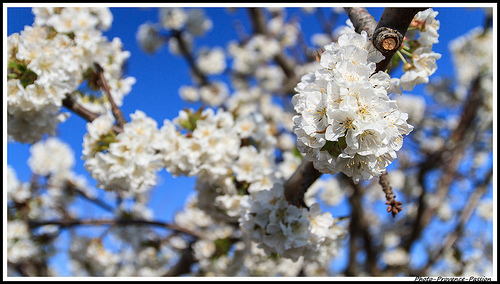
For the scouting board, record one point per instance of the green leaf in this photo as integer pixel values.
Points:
(222, 246)
(334, 147)
(104, 141)
(342, 143)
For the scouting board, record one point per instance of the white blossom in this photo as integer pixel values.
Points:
(51, 156)
(345, 121)
(172, 18)
(485, 209)
(212, 61)
(197, 23)
(129, 161)
(19, 245)
(396, 257)
(189, 93)
(148, 38)
(282, 228)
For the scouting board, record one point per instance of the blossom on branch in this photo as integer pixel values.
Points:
(345, 120)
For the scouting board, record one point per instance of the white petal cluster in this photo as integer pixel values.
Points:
(90, 257)
(247, 57)
(20, 247)
(345, 120)
(66, 20)
(193, 21)
(214, 94)
(485, 209)
(49, 60)
(148, 38)
(16, 191)
(413, 105)
(285, 229)
(126, 162)
(430, 26)
(472, 55)
(395, 257)
(423, 61)
(270, 77)
(212, 61)
(89, 46)
(424, 65)
(286, 32)
(208, 150)
(37, 83)
(51, 156)
(29, 127)
(172, 18)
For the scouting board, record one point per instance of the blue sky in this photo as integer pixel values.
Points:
(160, 75)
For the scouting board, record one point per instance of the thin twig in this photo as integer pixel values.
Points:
(393, 206)
(183, 47)
(93, 222)
(71, 187)
(117, 113)
(86, 114)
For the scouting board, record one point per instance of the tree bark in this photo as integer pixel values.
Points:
(390, 31)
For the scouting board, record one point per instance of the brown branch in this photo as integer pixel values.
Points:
(452, 238)
(287, 65)
(258, 21)
(31, 267)
(183, 266)
(190, 60)
(93, 222)
(117, 113)
(394, 206)
(297, 185)
(72, 188)
(454, 152)
(86, 114)
(362, 20)
(359, 227)
(390, 31)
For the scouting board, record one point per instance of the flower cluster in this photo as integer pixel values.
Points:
(193, 21)
(190, 22)
(211, 61)
(422, 62)
(286, 32)
(345, 120)
(207, 148)
(20, 245)
(38, 81)
(247, 56)
(51, 156)
(213, 94)
(472, 55)
(285, 229)
(126, 161)
(51, 59)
